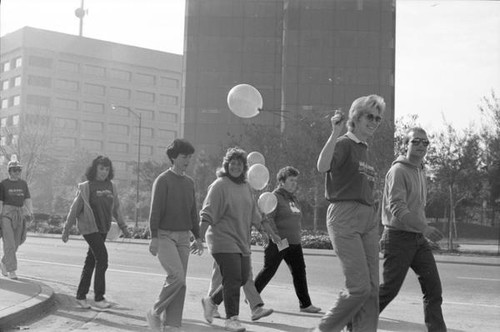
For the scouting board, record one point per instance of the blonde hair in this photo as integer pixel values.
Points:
(363, 104)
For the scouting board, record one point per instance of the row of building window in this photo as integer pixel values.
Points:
(94, 70)
(92, 89)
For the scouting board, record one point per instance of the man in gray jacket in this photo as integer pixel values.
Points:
(404, 242)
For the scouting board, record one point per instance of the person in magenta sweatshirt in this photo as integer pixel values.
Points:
(173, 218)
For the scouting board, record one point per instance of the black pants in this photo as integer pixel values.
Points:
(405, 250)
(97, 257)
(235, 269)
(294, 258)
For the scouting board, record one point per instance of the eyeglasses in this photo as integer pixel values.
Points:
(15, 170)
(372, 118)
(417, 141)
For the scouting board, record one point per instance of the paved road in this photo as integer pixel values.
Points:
(471, 291)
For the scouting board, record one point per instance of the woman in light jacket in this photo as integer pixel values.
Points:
(93, 208)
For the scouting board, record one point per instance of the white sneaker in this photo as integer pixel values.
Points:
(103, 304)
(12, 275)
(154, 321)
(208, 309)
(233, 324)
(260, 312)
(216, 312)
(83, 304)
(4, 269)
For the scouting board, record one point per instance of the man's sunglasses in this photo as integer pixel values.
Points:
(372, 118)
(417, 141)
(16, 169)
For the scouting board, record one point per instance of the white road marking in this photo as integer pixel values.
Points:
(109, 270)
(483, 279)
(472, 304)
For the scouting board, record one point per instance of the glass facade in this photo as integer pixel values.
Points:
(300, 54)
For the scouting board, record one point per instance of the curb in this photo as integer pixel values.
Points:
(34, 306)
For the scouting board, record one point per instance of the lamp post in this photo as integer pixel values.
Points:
(138, 116)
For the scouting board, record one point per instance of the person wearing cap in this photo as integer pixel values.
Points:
(15, 209)
(95, 204)
(352, 220)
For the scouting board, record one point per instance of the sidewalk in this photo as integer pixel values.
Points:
(21, 299)
(24, 298)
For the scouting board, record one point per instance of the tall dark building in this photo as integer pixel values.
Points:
(300, 54)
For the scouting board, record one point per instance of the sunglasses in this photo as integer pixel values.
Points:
(417, 141)
(16, 170)
(372, 118)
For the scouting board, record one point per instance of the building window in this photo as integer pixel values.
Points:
(117, 74)
(93, 107)
(92, 145)
(67, 85)
(64, 142)
(145, 96)
(94, 70)
(147, 132)
(118, 129)
(169, 82)
(120, 110)
(118, 147)
(67, 104)
(144, 79)
(3, 141)
(17, 81)
(146, 114)
(147, 149)
(5, 103)
(16, 100)
(5, 85)
(65, 123)
(40, 81)
(168, 117)
(3, 122)
(6, 66)
(68, 66)
(18, 62)
(15, 139)
(38, 61)
(15, 120)
(92, 126)
(119, 93)
(94, 89)
(168, 100)
(167, 135)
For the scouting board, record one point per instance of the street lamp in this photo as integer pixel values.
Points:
(138, 116)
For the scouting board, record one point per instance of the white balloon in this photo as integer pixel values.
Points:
(255, 158)
(258, 176)
(114, 232)
(244, 100)
(267, 202)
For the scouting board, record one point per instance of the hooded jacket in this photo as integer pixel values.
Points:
(405, 195)
(81, 213)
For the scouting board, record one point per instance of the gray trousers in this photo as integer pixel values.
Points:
(173, 254)
(353, 230)
(13, 233)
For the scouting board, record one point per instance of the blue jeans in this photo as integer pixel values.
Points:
(403, 250)
(97, 257)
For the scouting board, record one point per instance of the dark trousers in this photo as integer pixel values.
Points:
(235, 269)
(404, 250)
(97, 257)
(294, 258)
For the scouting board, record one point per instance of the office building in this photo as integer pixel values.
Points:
(302, 55)
(82, 93)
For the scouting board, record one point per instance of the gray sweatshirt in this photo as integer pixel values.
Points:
(405, 195)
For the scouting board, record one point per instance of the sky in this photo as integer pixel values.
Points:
(447, 51)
